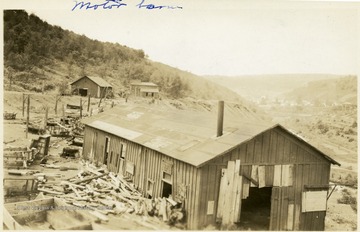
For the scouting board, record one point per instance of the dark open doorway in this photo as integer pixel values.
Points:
(255, 210)
(167, 189)
(83, 92)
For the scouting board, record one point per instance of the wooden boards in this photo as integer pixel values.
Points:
(230, 195)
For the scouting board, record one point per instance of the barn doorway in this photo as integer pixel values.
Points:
(255, 210)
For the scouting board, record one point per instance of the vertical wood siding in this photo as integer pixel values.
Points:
(86, 83)
(274, 147)
(148, 166)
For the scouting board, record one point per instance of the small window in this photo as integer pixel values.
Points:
(123, 151)
(111, 157)
(150, 188)
(117, 159)
(106, 150)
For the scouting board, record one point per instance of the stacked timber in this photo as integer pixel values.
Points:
(105, 193)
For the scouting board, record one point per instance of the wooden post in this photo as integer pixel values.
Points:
(80, 107)
(100, 102)
(57, 98)
(63, 114)
(46, 117)
(23, 105)
(88, 108)
(28, 115)
(112, 104)
(42, 87)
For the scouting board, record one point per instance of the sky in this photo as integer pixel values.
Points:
(227, 37)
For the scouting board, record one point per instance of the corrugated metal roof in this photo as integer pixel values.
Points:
(183, 135)
(98, 80)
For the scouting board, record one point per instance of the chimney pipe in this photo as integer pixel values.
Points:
(220, 121)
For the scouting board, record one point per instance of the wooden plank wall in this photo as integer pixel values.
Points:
(148, 166)
(274, 147)
(271, 148)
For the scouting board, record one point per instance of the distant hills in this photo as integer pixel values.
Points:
(292, 87)
(332, 91)
(41, 57)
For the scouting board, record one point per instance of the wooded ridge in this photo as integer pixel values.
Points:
(42, 57)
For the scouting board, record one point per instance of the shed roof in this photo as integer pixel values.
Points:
(97, 80)
(187, 136)
(137, 83)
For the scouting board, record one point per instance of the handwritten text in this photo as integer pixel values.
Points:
(107, 5)
(152, 6)
(116, 4)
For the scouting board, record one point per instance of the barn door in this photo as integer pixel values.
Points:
(229, 203)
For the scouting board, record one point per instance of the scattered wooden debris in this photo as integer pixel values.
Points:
(11, 141)
(70, 151)
(106, 193)
(21, 172)
(36, 129)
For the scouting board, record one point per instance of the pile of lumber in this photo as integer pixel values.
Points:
(9, 116)
(70, 151)
(56, 129)
(104, 193)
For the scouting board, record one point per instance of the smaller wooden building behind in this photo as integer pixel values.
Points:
(251, 170)
(91, 85)
(144, 89)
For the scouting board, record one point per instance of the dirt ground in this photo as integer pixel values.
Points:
(339, 217)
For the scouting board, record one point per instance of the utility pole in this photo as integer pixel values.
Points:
(28, 115)
(63, 113)
(46, 117)
(57, 99)
(80, 107)
(23, 104)
(88, 107)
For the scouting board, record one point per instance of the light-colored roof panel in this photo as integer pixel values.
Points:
(143, 84)
(115, 130)
(98, 80)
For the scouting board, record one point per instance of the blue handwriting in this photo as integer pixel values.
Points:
(152, 6)
(107, 5)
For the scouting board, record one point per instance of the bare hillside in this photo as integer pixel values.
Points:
(331, 91)
(270, 86)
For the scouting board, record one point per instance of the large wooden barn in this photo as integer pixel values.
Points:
(226, 173)
(91, 85)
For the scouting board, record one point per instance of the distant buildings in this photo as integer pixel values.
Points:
(144, 89)
(91, 85)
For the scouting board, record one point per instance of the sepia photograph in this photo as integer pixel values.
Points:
(180, 115)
